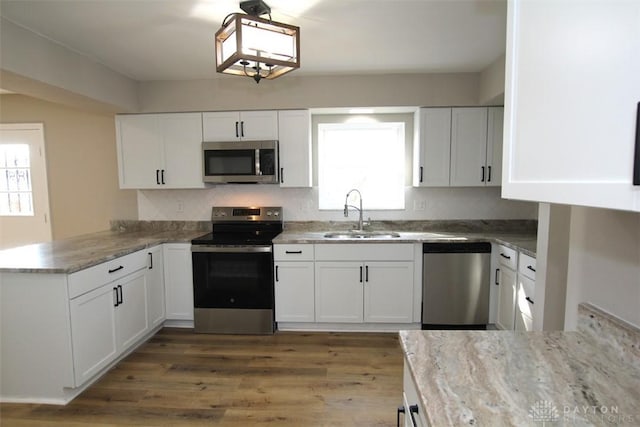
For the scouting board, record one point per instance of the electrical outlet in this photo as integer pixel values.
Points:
(180, 207)
(419, 205)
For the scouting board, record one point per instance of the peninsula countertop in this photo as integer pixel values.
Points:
(73, 254)
(507, 378)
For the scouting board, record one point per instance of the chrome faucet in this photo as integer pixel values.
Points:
(347, 206)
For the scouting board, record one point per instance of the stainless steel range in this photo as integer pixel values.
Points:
(233, 271)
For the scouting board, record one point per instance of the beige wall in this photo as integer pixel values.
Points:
(296, 91)
(604, 263)
(492, 83)
(81, 165)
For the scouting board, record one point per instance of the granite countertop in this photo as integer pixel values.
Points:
(525, 242)
(77, 253)
(507, 378)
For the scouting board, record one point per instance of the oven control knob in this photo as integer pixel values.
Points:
(276, 213)
(269, 213)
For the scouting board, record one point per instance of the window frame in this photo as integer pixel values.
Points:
(406, 118)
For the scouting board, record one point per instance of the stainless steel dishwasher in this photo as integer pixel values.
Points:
(455, 285)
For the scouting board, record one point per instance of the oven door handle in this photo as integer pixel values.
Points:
(231, 249)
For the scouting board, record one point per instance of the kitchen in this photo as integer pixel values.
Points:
(586, 235)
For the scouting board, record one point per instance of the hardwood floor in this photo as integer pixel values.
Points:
(287, 379)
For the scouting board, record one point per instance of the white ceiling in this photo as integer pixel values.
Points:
(173, 39)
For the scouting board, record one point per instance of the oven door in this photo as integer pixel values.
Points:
(233, 277)
(250, 161)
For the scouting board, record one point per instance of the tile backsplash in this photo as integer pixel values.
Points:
(301, 204)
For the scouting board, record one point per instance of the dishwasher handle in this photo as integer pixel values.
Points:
(456, 248)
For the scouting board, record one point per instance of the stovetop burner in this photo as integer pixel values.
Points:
(243, 226)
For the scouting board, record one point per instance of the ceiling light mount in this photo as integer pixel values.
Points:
(248, 45)
(255, 8)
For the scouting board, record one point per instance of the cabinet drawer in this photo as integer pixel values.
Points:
(508, 257)
(364, 252)
(91, 278)
(296, 252)
(527, 266)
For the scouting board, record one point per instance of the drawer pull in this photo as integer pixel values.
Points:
(531, 268)
(496, 280)
(529, 300)
(115, 269)
(413, 409)
(400, 411)
(505, 256)
(292, 252)
(636, 161)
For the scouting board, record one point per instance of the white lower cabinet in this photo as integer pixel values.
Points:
(107, 320)
(155, 287)
(507, 281)
(414, 414)
(294, 293)
(293, 283)
(526, 291)
(93, 324)
(131, 312)
(515, 276)
(388, 292)
(371, 283)
(339, 292)
(178, 281)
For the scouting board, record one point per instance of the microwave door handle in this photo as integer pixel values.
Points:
(258, 171)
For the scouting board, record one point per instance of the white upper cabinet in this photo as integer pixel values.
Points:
(468, 147)
(433, 149)
(294, 128)
(459, 147)
(495, 125)
(160, 150)
(240, 125)
(571, 100)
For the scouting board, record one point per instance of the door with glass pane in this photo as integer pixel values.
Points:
(24, 198)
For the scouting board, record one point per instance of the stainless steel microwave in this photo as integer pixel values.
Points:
(240, 162)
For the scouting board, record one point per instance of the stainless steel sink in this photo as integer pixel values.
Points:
(356, 234)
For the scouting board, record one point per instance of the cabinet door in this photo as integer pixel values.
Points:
(93, 332)
(155, 287)
(468, 147)
(434, 148)
(506, 299)
(339, 291)
(178, 281)
(259, 125)
(131, 313)
(570, 120)
(294, 292)
(182, 142)
(139, 143)
(388, 292)
(221, 126)
(495, 119)
(294, 129)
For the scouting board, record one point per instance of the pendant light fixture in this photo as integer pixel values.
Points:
(248, 45)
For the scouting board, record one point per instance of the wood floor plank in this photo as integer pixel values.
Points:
(180, 378)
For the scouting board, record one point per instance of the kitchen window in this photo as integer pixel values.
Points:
(365, 154)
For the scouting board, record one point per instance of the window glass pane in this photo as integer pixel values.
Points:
(15, 180)
(366, 156)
